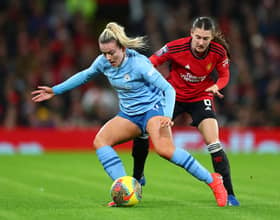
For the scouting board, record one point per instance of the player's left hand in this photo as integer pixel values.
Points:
(215, 90)
(166, 122)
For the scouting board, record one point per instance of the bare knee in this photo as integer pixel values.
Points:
(98, 142)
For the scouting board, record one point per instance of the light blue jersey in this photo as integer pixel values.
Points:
(138, 84)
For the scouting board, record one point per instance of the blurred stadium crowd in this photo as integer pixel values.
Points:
(43, 42)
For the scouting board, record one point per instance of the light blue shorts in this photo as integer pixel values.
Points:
(142, 119)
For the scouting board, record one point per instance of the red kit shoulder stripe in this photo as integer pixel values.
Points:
(216, 51)
(217, 48)
(180, 50)
(178, 46)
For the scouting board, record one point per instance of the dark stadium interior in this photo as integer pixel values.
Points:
(43, 42)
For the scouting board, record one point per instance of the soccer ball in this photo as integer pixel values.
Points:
(126, 191)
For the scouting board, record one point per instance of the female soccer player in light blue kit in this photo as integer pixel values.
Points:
(146, 102)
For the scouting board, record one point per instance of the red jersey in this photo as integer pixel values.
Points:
(191, 75)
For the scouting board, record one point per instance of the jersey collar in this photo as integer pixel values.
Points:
(199, 57)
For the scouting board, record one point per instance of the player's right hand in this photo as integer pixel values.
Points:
(215, 90)
(42, 93)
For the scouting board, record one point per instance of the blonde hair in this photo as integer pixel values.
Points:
(114, 31)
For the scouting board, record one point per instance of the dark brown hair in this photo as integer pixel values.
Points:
(207, 23)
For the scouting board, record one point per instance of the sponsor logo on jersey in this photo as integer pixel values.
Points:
(191, 78)
(161, 51)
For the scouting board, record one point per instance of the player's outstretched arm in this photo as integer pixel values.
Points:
(42, 93)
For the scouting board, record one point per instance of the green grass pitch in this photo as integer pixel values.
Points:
(74, 186)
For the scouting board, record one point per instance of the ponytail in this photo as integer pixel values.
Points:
(114, 31)
(220, 39)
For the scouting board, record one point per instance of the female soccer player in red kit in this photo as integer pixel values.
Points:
(193, 60)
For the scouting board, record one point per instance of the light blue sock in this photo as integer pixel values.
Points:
(111, 162)
(183, 159)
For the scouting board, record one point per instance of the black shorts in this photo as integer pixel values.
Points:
(198, 110)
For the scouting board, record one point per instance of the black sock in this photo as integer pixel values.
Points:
(221, 165)
(140, 151)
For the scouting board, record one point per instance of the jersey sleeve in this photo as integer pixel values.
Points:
(154, 77)
(222, 68)
(160, 57)
(79, 78)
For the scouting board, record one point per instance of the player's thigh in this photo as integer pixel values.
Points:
(116, 131)
(209, 130)
(161, 137)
